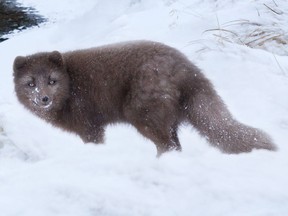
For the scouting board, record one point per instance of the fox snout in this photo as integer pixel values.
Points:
(42, 100)
(45, 100)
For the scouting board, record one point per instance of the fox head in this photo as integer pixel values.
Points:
(41, 81)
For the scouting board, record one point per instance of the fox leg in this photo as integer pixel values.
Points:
(165, 138)
(94, 135)
(158, 125)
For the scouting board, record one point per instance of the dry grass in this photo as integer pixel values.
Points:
(256, 35)
(252, 34)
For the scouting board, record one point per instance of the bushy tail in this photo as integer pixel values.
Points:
(208, 113)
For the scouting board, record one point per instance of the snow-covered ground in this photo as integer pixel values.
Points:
(239, 45)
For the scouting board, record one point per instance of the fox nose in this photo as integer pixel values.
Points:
(45, 99)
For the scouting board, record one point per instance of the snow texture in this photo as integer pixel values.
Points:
(45, 171)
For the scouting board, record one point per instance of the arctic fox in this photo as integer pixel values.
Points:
(147, 84)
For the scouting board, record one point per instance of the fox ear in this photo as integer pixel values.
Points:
(56, 58)
(19, 63)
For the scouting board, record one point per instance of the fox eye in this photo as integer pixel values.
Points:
(31, 84)
(52, 82)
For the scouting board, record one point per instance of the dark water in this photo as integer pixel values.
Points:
(14, 16)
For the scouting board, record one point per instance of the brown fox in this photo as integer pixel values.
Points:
(147, 84)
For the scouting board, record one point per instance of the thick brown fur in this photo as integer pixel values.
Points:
(147, 84)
